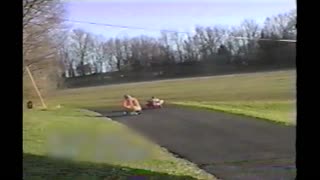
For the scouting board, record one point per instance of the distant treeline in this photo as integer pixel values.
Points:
(209, 51)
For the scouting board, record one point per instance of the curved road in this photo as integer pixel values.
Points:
(231, 147)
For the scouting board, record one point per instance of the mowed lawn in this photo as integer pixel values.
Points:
(266, 95)
(69, 143)
(79, 136)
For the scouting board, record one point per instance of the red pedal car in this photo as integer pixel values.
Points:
(154, 104)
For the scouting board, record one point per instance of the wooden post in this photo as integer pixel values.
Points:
(36, 88)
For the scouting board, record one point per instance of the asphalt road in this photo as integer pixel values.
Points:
(231, 147)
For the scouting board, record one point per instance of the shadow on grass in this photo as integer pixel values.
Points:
(42, 167)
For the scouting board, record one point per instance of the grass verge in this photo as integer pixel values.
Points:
(276, 111)
(73, 144)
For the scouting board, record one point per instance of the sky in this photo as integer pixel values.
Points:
(177, 15)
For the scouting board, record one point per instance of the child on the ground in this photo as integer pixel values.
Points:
(131, 105)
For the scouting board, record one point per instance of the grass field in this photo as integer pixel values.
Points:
(269, 96)
(74, 144)
(269, 86)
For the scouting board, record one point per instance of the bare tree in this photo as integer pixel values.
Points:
(82, 45)
(98, 56)
(66, 60)
(251, 30)
(177, 39)
(109, 50)
(166, 47)
(281, 26)
(191, 48)
(119, 54)
(42, 34)
(202, 42)
(42, 20)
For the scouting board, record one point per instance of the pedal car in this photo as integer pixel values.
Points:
(154, 105)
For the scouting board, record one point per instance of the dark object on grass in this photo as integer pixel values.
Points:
(29, 105)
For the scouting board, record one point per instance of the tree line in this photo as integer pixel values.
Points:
(52, 51)
(207, 49)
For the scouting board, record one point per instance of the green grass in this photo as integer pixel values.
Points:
(271, 86)
(267, 95)
(41, 167)
(264, 95)
(74, 144)
(276, 111)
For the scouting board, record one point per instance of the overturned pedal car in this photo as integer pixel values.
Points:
(154, 104)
